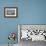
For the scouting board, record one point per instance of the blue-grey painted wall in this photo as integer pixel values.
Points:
(29, 12)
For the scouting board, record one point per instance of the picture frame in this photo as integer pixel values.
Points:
(10, 12)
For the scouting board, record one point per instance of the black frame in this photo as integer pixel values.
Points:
(11, 16)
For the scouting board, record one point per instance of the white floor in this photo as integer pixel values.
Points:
(7, 45)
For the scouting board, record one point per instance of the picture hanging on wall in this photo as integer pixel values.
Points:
(11, 12)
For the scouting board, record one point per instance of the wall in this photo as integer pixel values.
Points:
(29, 12)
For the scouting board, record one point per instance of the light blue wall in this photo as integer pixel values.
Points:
(29, 12)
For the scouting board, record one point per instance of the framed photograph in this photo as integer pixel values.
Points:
(10, 12)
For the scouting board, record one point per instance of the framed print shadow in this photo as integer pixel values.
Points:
(10, 12)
